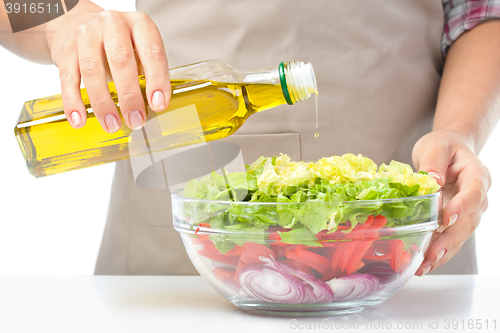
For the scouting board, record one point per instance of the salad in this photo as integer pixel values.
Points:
(323, 186)
(315, 236)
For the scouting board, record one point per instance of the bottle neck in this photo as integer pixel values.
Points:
(298, 81)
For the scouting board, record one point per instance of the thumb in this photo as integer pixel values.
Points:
(433, 157)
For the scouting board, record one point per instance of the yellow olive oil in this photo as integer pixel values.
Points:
(50, 145)
(316, 135)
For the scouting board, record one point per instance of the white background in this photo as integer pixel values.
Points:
(54, 225)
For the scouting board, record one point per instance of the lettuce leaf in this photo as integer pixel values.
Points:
(299, 235)
(317, 196)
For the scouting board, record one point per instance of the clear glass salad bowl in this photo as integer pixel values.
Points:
(369, 251)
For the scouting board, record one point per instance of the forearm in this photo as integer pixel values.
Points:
(33, 44)
(30, 44)
(469, 95)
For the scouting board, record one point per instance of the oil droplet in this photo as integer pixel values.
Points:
(316, 102)
(316, 135)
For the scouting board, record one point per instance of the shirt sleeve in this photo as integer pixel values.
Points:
(463, 15)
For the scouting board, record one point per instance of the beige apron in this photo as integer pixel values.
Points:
(378, 66)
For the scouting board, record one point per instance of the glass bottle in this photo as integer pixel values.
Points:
(224, 99)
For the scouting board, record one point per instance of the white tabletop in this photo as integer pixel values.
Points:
(92, 304)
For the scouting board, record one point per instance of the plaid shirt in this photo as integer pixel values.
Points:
(462, 15)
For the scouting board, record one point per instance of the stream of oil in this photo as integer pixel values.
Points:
(316, 102)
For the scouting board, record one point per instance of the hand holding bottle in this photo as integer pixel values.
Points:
(87, 41)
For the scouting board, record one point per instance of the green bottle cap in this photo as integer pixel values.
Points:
(284, 87)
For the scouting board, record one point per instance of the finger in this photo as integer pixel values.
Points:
(92, 69)
(433, 158)
(151, 52)
(69, 73)
(121, 59)
(444, 247)
(448, 243)
(473, 184)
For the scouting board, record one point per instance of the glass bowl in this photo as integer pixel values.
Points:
(281, 271)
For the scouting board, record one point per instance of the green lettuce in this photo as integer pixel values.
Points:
(307, 198)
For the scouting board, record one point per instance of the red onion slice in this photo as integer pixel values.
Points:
(383, 271)
(309, 296)
(341, 289)
(321, 291)
(270, 285)
(353, 286)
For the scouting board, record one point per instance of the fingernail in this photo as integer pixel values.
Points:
(111, 123)
(158, 100)
(76, 118)
(426, 269)
(136, 120)
(434, 175)
(453, 219)
(440, 254)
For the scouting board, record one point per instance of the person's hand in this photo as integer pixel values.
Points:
(87, 40)
(450, 159)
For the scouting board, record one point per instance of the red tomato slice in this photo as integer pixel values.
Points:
(302, 252)
(406, 260)
(251, 252)
(321, 269)
(379, 221)
(355, 259)
(281, 250)
(222, 274)
(395, 248)
(235, 251)
(304, 268)
(336, 257)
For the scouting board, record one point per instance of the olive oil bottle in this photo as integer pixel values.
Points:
(224, 99)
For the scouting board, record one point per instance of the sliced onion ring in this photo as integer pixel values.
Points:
(382, 271)
(353, 286)
(271, 286)
(322, 292)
